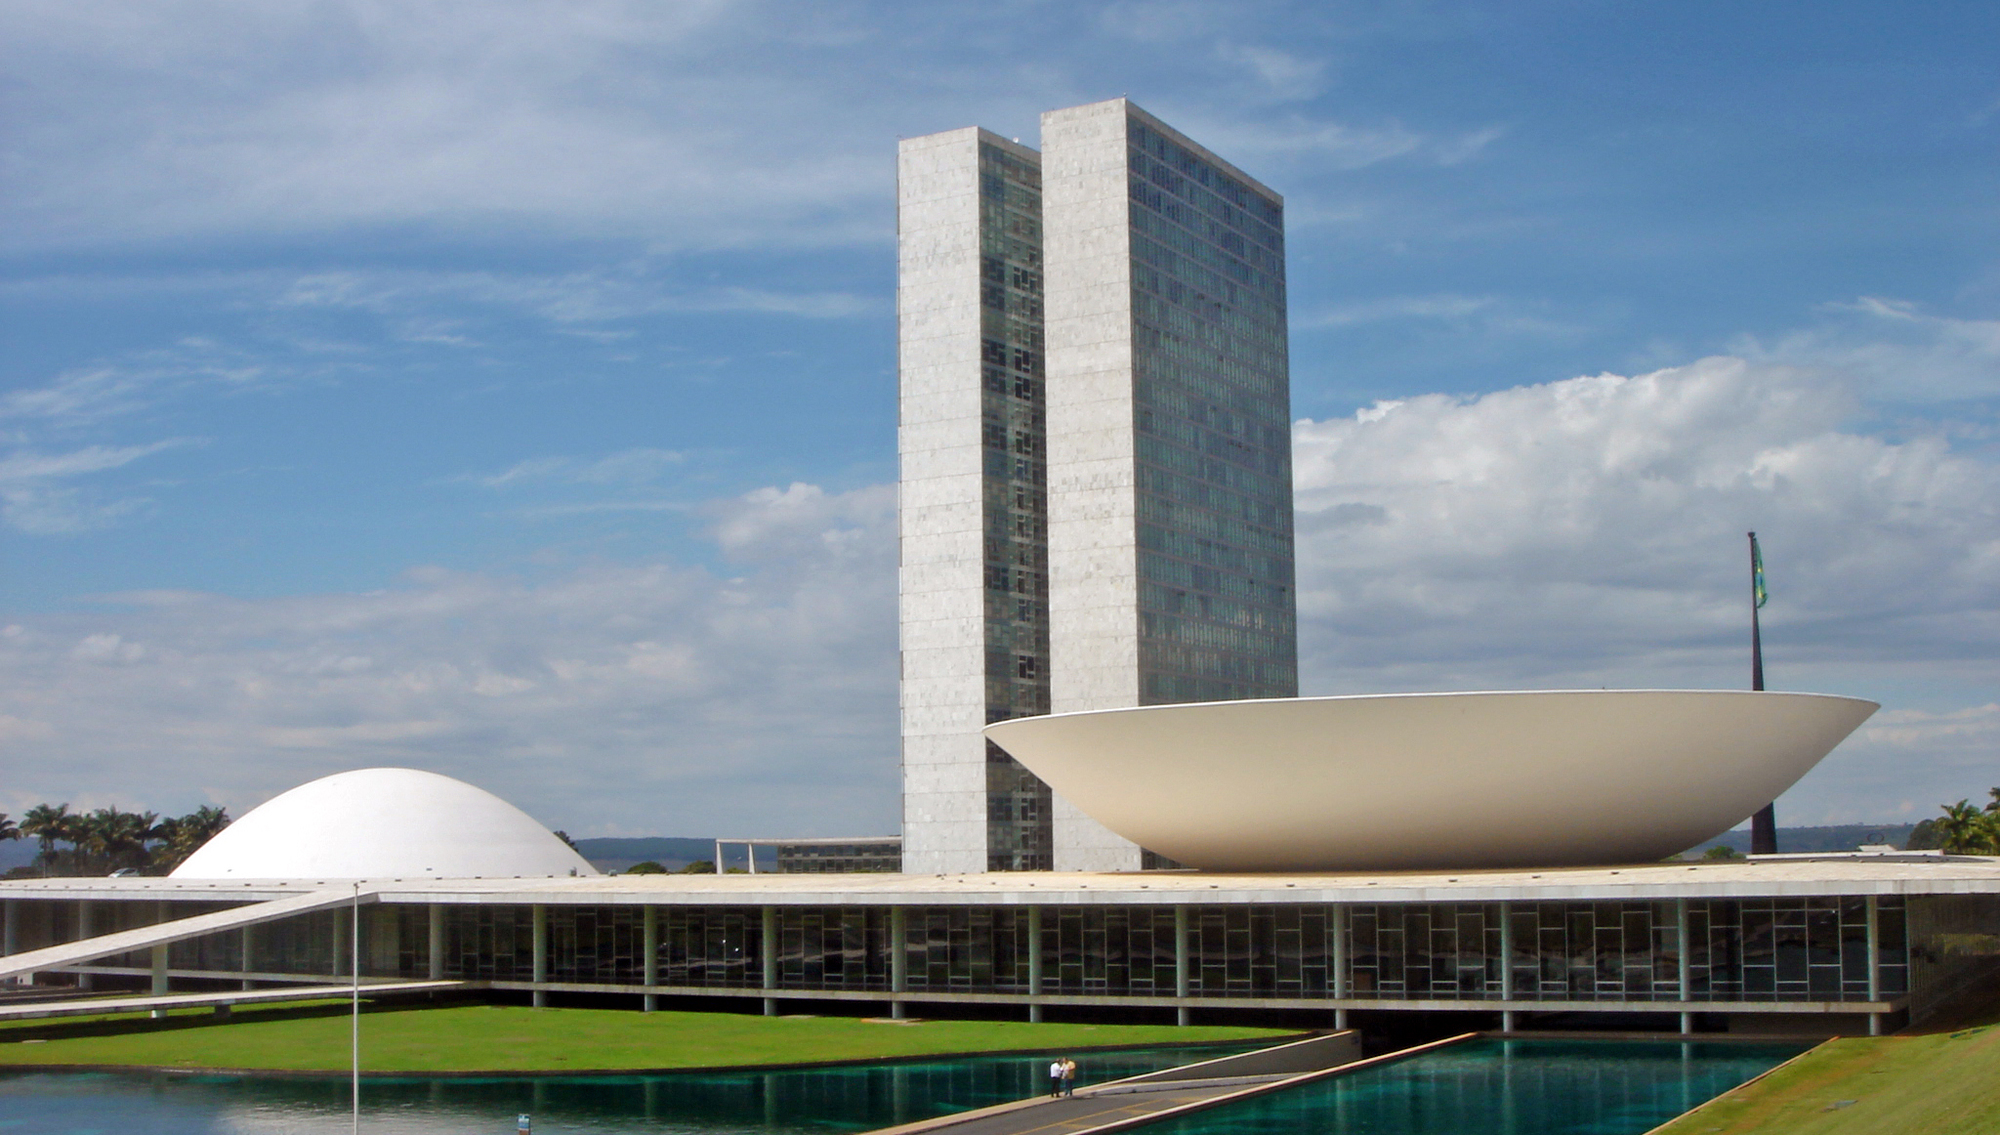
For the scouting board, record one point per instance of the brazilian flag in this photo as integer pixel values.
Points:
(1757, 592)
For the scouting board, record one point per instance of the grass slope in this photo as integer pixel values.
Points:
(464, 1038)
(1943, 1084)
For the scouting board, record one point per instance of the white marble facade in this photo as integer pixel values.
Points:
(1093, 564)
(939, 511)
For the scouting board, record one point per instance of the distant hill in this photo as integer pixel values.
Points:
(1835, 837)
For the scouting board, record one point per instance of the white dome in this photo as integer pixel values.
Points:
(379, 823)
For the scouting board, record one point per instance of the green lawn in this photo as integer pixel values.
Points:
(462, 1038)
(1942, 1084)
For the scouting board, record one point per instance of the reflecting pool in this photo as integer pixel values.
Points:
(1491, 1087)
(858, 1098)
(1486, 1087)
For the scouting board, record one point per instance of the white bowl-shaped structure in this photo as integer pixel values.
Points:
(383, 823)
(1422, 781)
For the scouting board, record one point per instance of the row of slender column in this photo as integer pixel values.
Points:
(160, 955)
(899, 965)
(768, 955)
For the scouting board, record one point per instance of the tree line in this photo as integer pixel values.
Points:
(1964, 829)
(110, 839)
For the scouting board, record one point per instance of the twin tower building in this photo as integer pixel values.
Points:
(1096, 485)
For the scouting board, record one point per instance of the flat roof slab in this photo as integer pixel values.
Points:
(1645, 882)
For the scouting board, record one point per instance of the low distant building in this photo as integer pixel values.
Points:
(840, 855)
(819, 857)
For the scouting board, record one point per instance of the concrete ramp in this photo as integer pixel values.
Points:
(1314, 1054)
(101, 1006)
(1138, 1100)
(145, 937)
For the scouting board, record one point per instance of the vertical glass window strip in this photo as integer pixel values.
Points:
(490, 943)
(1019, 832)
(966, 949)
(833, 948)
(1256, 951)
(1892, 945)
(712, 946)
(208, 952)
(1756, 949)
(1951, 941)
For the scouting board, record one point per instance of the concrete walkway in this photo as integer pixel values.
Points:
(95, 1006)
(1114, 1106)
(1089, 1109)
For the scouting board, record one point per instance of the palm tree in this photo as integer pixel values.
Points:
(8, 828)
(112, 839)
(90, 840)
(1966, 830)
(129, 835)
(48, 823)
(183, 835)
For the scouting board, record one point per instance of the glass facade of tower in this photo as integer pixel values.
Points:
(1018, 819)
(1212, 407)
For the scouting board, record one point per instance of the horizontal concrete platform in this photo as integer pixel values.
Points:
(101, 1006)
(1859, 875)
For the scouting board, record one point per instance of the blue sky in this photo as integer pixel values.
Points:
(508, 389)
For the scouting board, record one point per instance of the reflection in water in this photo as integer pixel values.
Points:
(803, 1101)
(1481, 1088)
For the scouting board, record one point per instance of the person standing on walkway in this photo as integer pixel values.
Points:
(1068, 1076)
(1056, 1076)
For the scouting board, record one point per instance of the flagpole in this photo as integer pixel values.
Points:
(1763, 825)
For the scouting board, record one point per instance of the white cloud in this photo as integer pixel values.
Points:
(1975, 727)
(21, 467)
(87, 396)
(1907, 762)
(1159, 21)
(564, 299)
(1578, 533)
(672, 127)
(107, 648)
(1285, 74)
(1485, 314)
(34, 499)
(802, 522)
(181, 117)
(1894, 350)
(1590, 533)
(627, 467)
(636, 698)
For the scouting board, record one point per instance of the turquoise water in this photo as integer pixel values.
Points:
(1477, 1088)
(1528, 1087)
(805, 1101)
